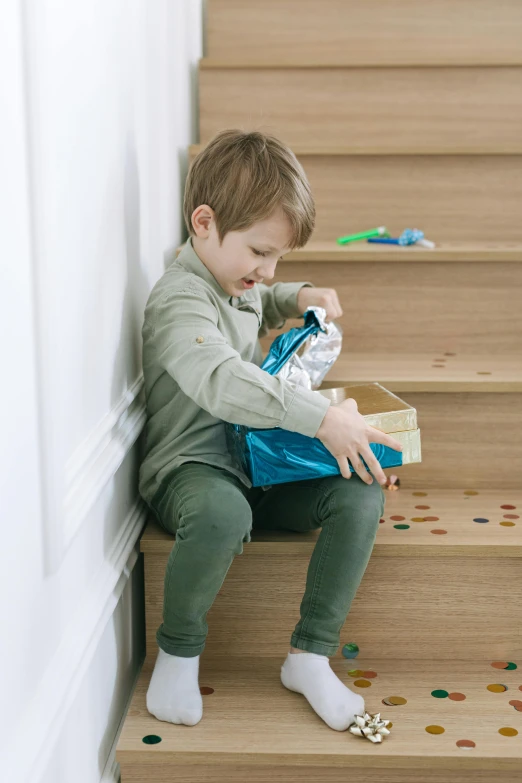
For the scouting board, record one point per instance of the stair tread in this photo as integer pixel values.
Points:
(403, 372)
(251, 718)
(455, 512)
(359, 252)
(445, 251)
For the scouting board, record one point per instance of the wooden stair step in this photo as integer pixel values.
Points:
(355, 192)
(364, 252)
(423, 595)
(421, 372)
(254, 728)
(447, 108)
(441, 32)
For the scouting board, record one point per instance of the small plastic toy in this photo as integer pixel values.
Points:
(381, 231)
(410, 236)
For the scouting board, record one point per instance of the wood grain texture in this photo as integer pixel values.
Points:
(396, 107)
(255, 729)
(452, 199)
(413, 572)
(345, 32)
(430, 308)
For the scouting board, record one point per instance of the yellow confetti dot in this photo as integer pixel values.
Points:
(362, 683)
(435, 729)
(507, 731)
(417, 519)
(497, 688)
(470, 492)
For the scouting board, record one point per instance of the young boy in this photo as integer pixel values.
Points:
(247, 202)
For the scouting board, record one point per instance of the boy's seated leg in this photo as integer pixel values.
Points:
(205, 508)
(348, 512)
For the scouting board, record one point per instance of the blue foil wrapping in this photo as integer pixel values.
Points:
(275, 455)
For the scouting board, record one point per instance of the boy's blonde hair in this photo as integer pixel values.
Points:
(244, 177)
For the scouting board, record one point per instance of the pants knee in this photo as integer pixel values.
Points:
(226, 520)
(357, 499)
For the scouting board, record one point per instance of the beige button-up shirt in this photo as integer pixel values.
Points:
(201, 357)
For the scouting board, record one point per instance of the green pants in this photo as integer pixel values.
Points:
(212, 513)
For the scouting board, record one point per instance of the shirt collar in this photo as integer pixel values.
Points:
(189, 260)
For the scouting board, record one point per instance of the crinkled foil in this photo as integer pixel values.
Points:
(317, 356)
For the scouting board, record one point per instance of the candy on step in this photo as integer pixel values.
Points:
(370, 726)
(381, 231)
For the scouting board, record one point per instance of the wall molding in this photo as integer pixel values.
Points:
(96, 460)
(60, 683)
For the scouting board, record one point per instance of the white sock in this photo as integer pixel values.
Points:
(311, 675)
(173, 694)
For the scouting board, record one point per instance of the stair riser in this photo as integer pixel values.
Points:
(419, 307)
(133, 772)
(459, 608)
(353, 193)
(441, 31)
(471, 109)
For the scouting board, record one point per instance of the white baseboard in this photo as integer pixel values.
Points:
(60, 683)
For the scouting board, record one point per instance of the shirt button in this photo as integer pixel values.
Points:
(200, 339)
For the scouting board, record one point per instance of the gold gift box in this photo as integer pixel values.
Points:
(386, 412)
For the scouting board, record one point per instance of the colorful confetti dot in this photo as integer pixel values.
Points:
(511, 666)
(511, 516)
(397, 518)
(499, 664)
(423, 508)
(508, 508)
(369, 675)
(434, 729)
(362, 683)
(483, 373)
(439, 532)
(466, 744)
(401, 527)
(440, 694)
(417, 519)
(396, 701)
(356, 673)
(151, 739)
(420, 494)
(507, 524)
(205, 690)
(470, 492)
(517, 704)
(381, 521)
(497, 688)
(480, 519)
(431, 519)
(456, 696)
(507, 731)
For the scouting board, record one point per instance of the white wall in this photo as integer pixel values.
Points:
(98, 108)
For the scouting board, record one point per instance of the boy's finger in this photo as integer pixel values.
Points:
(374, 465)
(344, 467)
(377, 436)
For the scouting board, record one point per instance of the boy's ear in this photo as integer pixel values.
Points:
(202, 218)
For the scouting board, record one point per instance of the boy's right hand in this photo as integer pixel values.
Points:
(346, 434)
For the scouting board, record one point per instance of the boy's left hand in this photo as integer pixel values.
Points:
(320, 297)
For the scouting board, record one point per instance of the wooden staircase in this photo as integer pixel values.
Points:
(405, 114)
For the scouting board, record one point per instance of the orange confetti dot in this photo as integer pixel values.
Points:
(439, 532)
(397, 518)
(500, 664)
(422, 507)
(369, 675)
(431, 519)
(205, 691)
(465, 744)
(517, 704)
(456, 696)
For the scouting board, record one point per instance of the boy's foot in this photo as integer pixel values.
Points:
(311, 675)
(173, 694)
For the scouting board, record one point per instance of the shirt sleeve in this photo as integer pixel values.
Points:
(190, 347)
(279, 303)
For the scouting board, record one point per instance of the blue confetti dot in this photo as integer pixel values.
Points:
(480, 519)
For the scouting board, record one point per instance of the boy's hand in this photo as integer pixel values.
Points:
(320, 297)
(346, 435)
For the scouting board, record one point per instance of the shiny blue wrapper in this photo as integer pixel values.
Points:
(275, 455)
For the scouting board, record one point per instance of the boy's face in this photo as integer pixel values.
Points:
(239, 257)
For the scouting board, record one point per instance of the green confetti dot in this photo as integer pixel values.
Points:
(439, 694)
(511, 666)
(151, 739)
(401, 527)
(350, 650)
